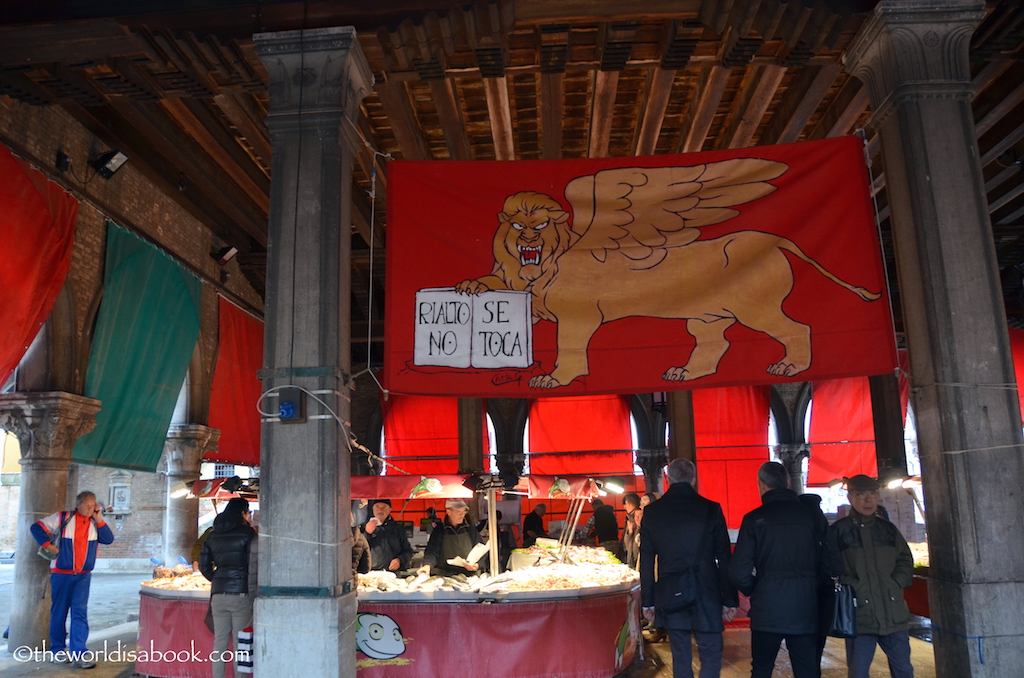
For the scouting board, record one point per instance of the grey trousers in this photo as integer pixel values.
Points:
(861, 650)
(231, 613)
(709, 647)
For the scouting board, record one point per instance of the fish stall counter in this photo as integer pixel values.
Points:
(579, 618)
(174, 641)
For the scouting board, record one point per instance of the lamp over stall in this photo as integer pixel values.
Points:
(107, 164)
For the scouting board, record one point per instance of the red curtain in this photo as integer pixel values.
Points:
(421, 434)
(236, 388)
(1017, 348)
(842, 432)
(570, 435)
(37, 229)
(731, 431)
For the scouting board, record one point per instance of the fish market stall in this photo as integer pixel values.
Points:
(570, 611)
(173, 639)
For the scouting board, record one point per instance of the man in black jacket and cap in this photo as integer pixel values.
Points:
(680, 532)
(228, 560)
(389, 546)
(777, 563)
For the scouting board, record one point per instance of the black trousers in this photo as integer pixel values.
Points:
(803, 654)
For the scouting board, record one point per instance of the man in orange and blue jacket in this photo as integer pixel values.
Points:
(71, 573)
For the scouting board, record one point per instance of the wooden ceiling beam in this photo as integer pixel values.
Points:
(194, 166)
(531, 12)
(606, 85)
(799, 103)
(700, 116)
(362, 216)
(199, 123)
(1000, 111)
(117, 132)
(499, 110)
(848, 106)
(1003, 145)
(70, 42)
(403, 121)
(751, 105)
(552, 99)
(450, 117)
(659, 91)
(252, 130)
(989, 74)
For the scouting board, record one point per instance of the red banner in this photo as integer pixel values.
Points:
(589, 638)
(236, 388)
(37, 228)
(632, 275)
(842, 434)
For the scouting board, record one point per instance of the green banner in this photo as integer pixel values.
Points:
(147, 328)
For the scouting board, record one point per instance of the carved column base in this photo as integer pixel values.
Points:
(183, 456)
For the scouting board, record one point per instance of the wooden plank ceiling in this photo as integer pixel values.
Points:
(183, 94)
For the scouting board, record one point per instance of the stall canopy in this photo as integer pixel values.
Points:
(236, 388)
(580, 434)
(731, 433)
(448, 486)
(147, 328)
(37, 229)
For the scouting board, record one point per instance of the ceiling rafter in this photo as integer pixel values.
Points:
(751, 105)
(499, 111)
(711, 89)
(798, 104)
(659, 91)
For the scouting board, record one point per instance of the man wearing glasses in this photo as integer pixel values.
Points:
(878, 565)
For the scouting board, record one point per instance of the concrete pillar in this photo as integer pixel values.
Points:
(471, 427)
(912, 55)
(47, 425)
(183, 455)
(887, 415)
(305, 610)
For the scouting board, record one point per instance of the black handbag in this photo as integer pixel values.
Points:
(680, 591)
(844, 615)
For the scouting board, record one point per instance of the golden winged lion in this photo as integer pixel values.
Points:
(632, 250)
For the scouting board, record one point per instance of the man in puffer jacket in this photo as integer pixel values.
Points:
(878, 565)
(229, 561)
(71, 573)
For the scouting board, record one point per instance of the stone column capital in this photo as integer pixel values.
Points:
(652, 460)
(185, 446)
(319, 74)
(793, 452)
(915, 49)
(48, 423)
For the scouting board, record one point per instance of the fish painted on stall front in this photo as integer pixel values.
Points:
(378, 636)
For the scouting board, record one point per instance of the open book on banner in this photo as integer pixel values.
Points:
(632, 275)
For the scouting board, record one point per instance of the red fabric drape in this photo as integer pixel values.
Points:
(842, 432)
(37, 229)
(421, 434)
(1017, 348)
(584, 424)
(236, 388)
(731, 431)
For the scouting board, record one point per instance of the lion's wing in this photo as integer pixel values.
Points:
(641, 211)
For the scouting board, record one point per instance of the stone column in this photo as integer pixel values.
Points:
(682, 443)
(792, 456)
(183, 455)
(912, 55)
(653, 462)
(305, 611)
(471, 427)
(47, 425)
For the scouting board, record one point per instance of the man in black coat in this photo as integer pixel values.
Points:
(389, 545)
(680, 531)
(777, 564)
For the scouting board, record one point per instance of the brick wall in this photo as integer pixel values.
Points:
(129, 199)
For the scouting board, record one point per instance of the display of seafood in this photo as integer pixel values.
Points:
(540, 578)
(576, 554)
(186, 581)
(161, 572)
